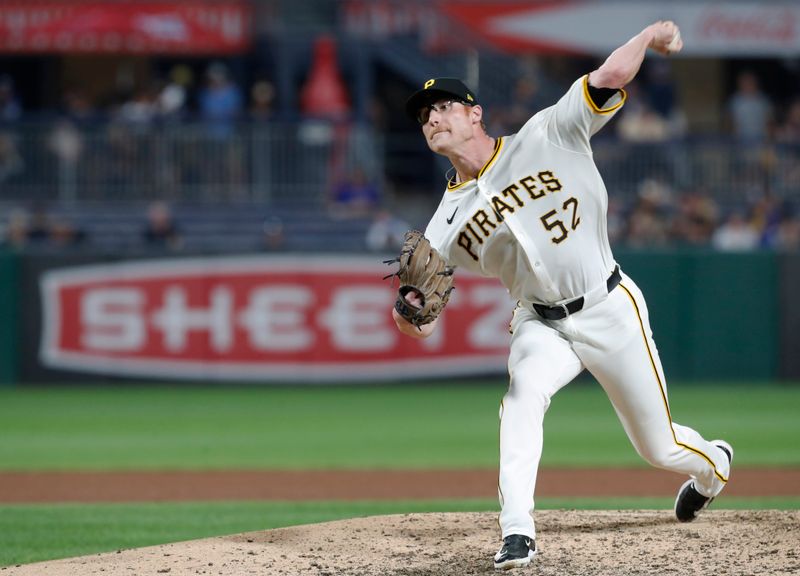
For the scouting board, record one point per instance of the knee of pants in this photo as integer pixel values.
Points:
(656, 453)
(531, 383)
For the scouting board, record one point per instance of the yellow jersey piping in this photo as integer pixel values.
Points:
(595, 108)
(500, 425)
(498, 145)
(452, 185)
(661, 390)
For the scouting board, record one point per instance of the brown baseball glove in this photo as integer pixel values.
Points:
(425, 272)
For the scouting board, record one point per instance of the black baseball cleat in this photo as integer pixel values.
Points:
(516, 552)
(690, 502)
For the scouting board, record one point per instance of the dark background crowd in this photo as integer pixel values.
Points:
(301, 143)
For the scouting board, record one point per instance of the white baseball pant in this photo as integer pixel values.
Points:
(612, 340)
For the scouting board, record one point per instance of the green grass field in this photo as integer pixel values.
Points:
(419, 426)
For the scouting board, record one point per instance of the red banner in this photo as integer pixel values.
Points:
(262, 319)
(186, 27)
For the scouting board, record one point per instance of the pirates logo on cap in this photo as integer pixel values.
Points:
(434, 88)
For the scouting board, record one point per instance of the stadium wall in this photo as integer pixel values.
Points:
(714, 316)
(789, 274)
(8, 314)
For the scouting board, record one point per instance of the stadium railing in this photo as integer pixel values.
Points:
(277, 163)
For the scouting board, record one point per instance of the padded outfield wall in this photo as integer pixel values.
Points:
(9, 300)
(714, 316)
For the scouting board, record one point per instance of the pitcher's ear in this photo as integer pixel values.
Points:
(477, 113)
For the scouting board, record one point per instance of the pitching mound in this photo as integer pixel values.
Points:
(581, 543)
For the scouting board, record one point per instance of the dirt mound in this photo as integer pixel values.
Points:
(624, 543)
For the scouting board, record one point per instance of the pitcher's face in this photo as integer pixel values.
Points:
(448, 123)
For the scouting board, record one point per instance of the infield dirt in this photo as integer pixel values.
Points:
(611, 543)
(585, 543)
(174, 486)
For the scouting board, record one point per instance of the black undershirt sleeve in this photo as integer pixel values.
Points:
(600, 95)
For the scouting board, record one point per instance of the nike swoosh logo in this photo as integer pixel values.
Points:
(450, 220)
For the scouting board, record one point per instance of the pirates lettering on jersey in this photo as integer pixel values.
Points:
(514, 196)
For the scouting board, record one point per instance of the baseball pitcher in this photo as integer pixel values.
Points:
(530, 209)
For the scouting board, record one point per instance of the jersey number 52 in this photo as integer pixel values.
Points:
(551, 222)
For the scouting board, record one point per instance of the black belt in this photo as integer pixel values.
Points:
(563, 310)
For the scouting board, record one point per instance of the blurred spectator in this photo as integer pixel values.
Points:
(78, 107)
(649, 221)
(750, 111)
(646, 132)
(781, 228)
(696, 219)
(386, 232)
(125, 152)
(161, 230)
(639, 122)
(39, 224)
(141, 109)
(264, 145)
(355, 197)
(11, 162)
(220, 101)
(789, 130)
(66, 142)
(736, 234)
(221, 107)
(273, 237)
(10, 108)
(616, 220)
(174, 95)
(262, 96)
(766, 216)
(788, 237)
(660, 87)
(39, 229)
(662, 97)
(15, 234)
(64, 233)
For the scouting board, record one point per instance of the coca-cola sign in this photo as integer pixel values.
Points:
(708, 27)
(260, 318)
(753, 25)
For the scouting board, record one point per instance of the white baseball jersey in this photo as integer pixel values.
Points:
(535, 217)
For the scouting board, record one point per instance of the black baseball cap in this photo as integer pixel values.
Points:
(437, 88)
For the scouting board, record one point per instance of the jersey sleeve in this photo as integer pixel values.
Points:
(575, 118)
